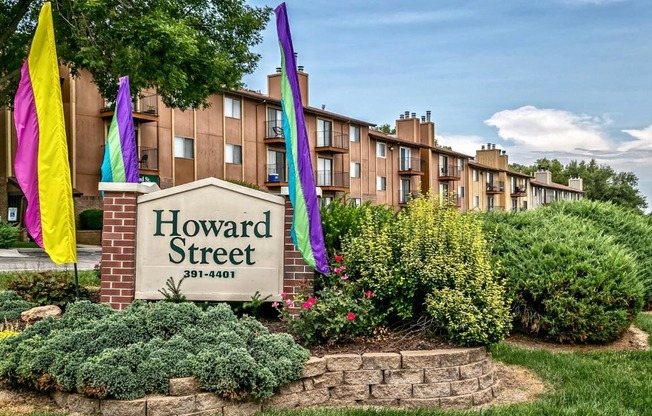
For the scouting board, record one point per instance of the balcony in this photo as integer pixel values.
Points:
(495, 187)
(450, 173)
(274, 131)
(519, 191)
(495, 207)
(329, 142)
(411, 166)
(332, 181)
(147, 158)
(144, 109)
(406, 196)
(276, 176)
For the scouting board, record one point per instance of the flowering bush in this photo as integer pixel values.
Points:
(340, 310)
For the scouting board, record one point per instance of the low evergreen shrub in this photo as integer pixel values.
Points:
(91, 219)
(8, 235)
(567, 280)
(11, 305)
(125, 355)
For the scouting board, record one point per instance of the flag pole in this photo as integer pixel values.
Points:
(76, 282)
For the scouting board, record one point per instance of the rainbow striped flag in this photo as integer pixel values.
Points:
(120, 162)
(41, 163)
(306, 230)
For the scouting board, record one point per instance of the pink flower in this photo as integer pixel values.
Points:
(350, 316)
(283, 295)
(306, 305)
(338, 258)
(275, 305)
(368, 293)
(312, 300)
(290, 303)
(343, 267)
(345, 277)
(338, 270)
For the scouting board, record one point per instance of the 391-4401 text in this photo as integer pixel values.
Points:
(215, 274)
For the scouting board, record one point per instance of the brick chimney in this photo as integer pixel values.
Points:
(407, 128)
(576, 183)
(543, 176)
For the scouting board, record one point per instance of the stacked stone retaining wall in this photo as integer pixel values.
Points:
(448, 378)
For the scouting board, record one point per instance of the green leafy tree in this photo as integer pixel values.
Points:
(186, 50)
(385, 128)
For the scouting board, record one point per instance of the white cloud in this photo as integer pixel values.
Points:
(531, 128)
(643, 139)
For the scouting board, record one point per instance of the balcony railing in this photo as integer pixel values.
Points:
(274, 129)
(146, 105)
(329, 142)
(495, 207)
(519, 190)
(411, 165)
(406, 196)
(329, 178)
(275, 174)
(495, 187)
(450, 172)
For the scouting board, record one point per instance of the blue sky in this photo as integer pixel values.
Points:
(570, 79)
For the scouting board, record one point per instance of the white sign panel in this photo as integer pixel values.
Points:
(226, 241)
(12, 214)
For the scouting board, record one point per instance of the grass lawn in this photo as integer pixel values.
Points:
(25, 244)
(86, 277)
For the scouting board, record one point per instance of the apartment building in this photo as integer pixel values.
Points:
(545, 191)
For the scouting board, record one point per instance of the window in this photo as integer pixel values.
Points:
(233, 154)
(324, 172)
(381, 150)
(357, 202)
(324, 133)
(231, 107)
(183, 148)
(405, 191)
(490, 203)
(381, 183)
(460, 191)
(514, 204)
(524, 208)
(443, 165)
(406, 161)
(355, 169)
(476, 201)
(274, 123)
(475, 175)
(325, 201)
(276, 166)
(354, 133)
(513, 184)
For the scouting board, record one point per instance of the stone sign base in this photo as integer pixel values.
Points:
(452, 378)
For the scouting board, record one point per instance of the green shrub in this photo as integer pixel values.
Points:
(91, 219)
(8, 234)
(628, 228)
(11, 305)
(47, 288)
(429, 259)
(568, 281)
(125, 355)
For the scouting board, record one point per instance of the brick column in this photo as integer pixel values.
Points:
(297, 275)
(118, 281)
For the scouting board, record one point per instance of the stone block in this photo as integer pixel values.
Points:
(454, 357)
(314, 367)
(363, 377)
(381, 361)
(240, 409)
(496, 388)
(419, 403)
(291, 387)
(391, 391)
(486, 380)
(80, 404)
(463, 387)
(403, 376)
(60, 398)
(282, 402)
(184, 386)
(487, 365)
(482, 396)
(343, 362)
(168, 405)
(477, 354)
(350, 392)
(374, 403)
(472, 370)
(329, 379)
(123, 407)
(208, 401)
(439, 375)
(313, 397)
(457, 402)
(429, 391)
(420, 359)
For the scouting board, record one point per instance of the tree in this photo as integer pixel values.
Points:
(186, 49)
(385, 128)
